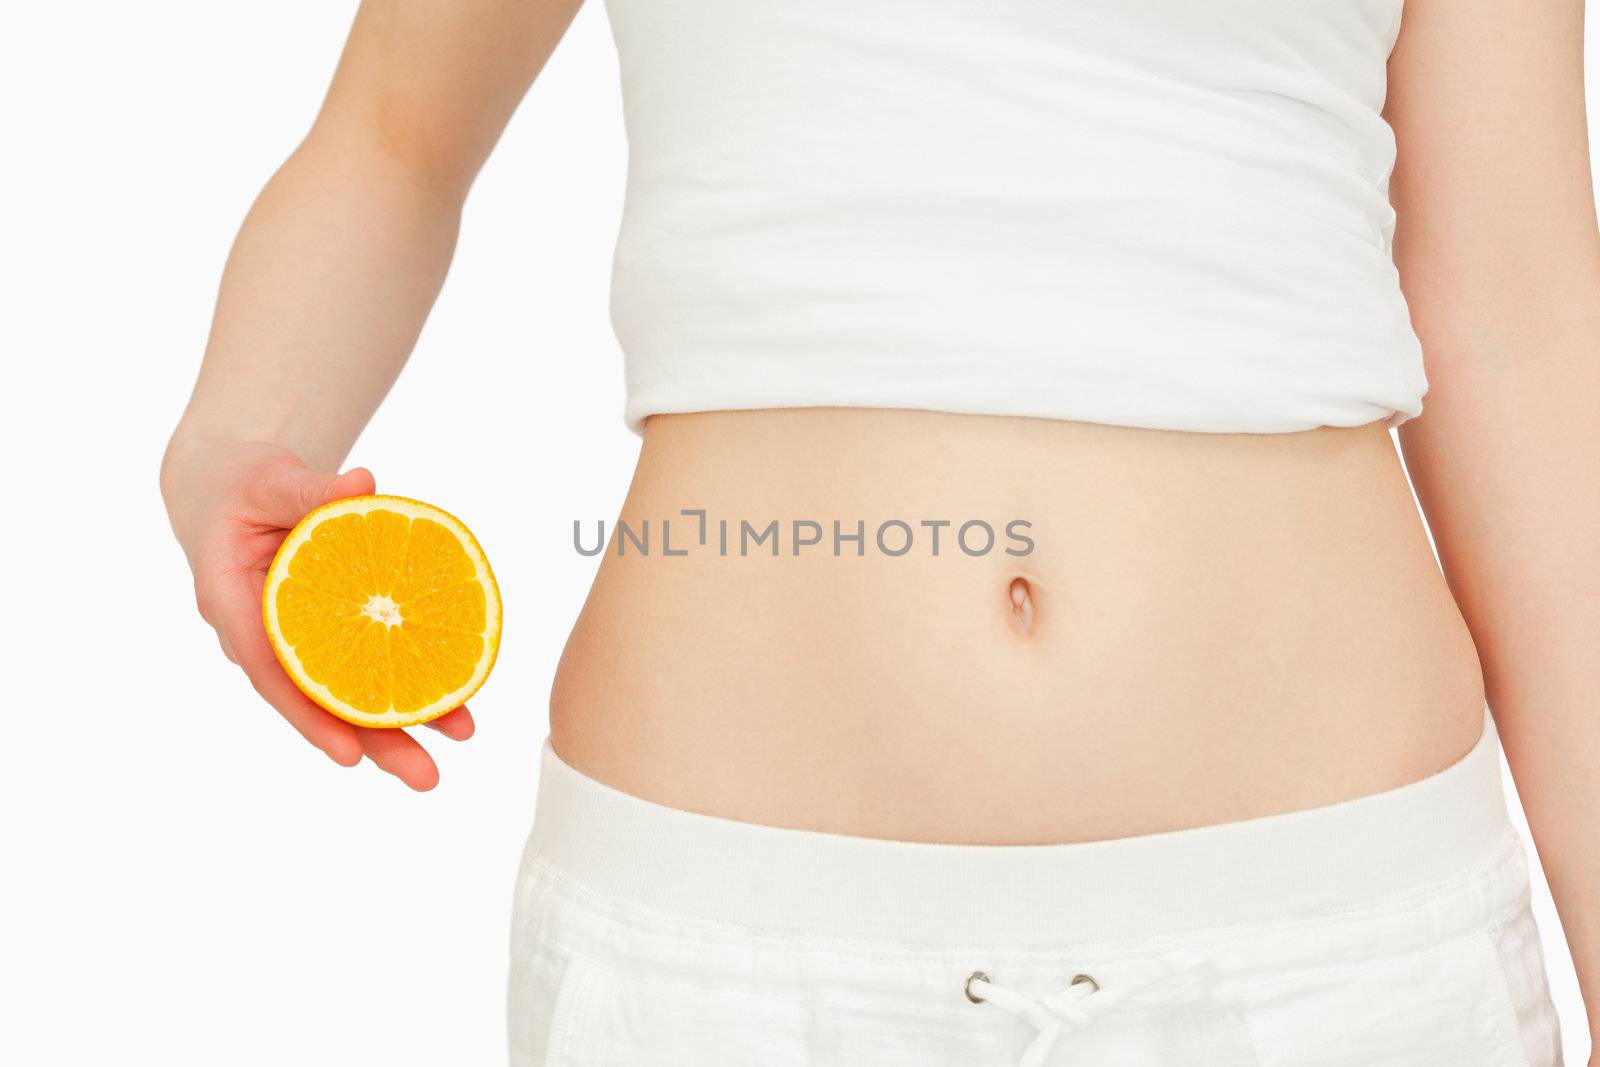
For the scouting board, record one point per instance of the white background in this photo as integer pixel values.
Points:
(185, 881)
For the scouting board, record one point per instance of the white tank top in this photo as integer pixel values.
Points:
(1158, 213)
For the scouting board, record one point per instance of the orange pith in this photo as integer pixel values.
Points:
(383, 610)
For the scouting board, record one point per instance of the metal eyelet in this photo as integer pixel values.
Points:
(975, 976)
(1086, 979)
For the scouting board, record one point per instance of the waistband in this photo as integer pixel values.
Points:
(1374, 850)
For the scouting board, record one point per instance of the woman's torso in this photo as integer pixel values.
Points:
(1219, 626)
(1056, 220)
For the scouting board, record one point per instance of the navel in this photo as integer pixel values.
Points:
(1021, 598)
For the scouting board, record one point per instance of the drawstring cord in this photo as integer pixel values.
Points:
(1175, 978)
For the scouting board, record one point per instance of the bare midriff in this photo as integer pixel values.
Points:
(1168, 629)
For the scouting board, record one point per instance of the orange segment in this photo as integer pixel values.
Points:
(383, 610)
(412, 673)
(435, 560)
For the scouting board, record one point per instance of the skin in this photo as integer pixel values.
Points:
(1169, 658)
(342, 255)
(1500, 263)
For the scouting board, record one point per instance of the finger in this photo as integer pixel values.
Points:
(457, 725)
(285, 492)
(398, 753)
(239, 627)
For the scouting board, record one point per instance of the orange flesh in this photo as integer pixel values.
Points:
(386, 611)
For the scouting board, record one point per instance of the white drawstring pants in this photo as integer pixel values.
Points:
(1385, 931)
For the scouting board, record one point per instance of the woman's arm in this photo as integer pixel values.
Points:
(1500, 261)
(327, 287)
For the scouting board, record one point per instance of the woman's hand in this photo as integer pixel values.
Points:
(231, 505)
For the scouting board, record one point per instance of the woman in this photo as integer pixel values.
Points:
(1185, 760)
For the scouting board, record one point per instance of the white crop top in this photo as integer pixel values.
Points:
(1157, 213)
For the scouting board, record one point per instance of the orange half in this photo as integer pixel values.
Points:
(383, 610)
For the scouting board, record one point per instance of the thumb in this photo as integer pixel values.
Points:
(357, 481)
(286, 493)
